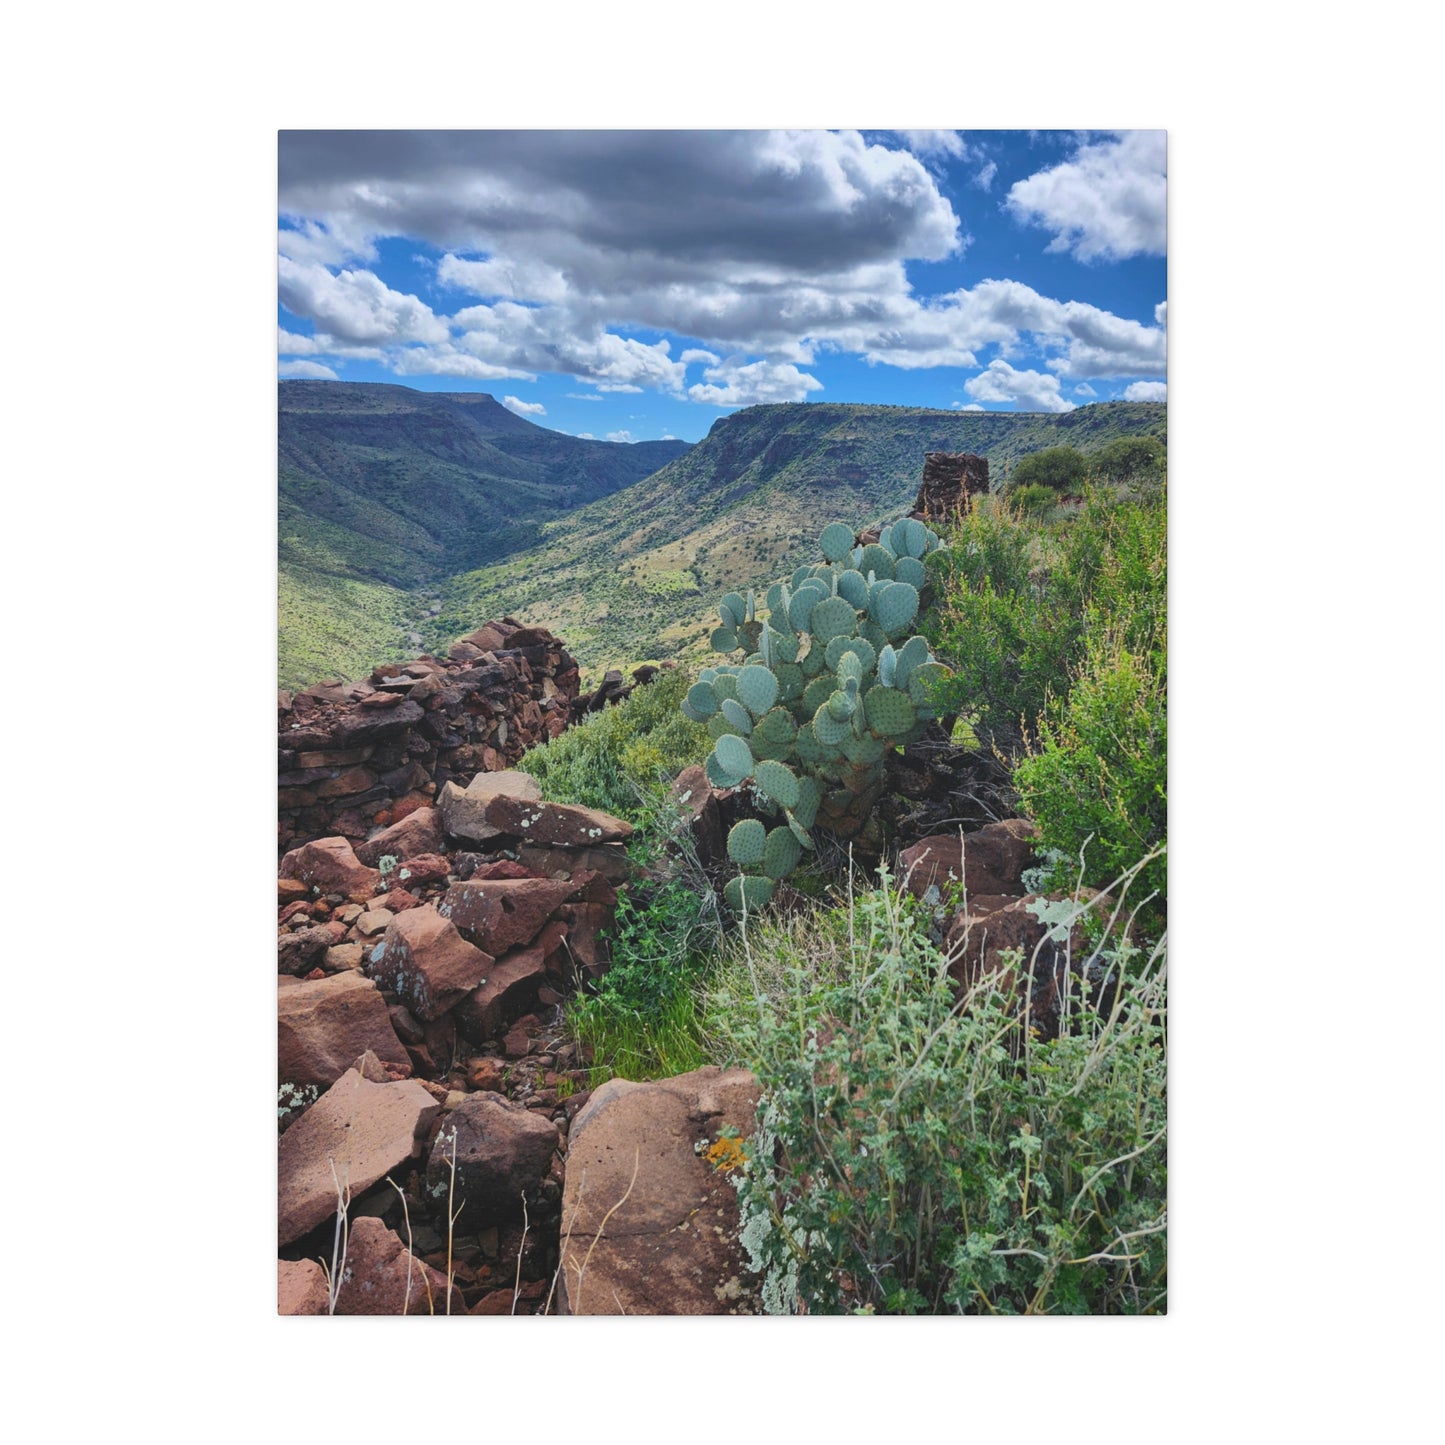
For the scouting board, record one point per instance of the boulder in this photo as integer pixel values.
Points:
(419, 832)
(990, 860)
(611, 861)
(556, 824)
(301, 1288)
(502, 913)
(303, 950)
(380, 1277)
(323, 1027)
(503, 1151)
(363, 1124)
(331, 866)
(699, 801)
(426, 962)
(511, 986)
(649, 1225)
(465, 811)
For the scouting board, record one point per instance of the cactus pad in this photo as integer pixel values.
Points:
(911, 656)
(859, 645)
(897, 606)
(757, 689)
(827, 729)
(889, 711)
(718, 775)
(778, 781)
(877, 560)
(921, 687)
(836, 541)
(746, 842)
(724, 639)
(735, 756)
(737, 715)
(702, 698)
(747, 893)
(833, 617)
(780, 853)
(733, 610)
(853, 587)
(910, 570)
(910, 538)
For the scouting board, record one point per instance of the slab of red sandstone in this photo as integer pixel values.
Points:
(419, 832)
(990, 860)
(382, 1278)
(671, 1247)
(501, 913)
(331, 865)
(325, 1026)
(367, 1126)
(426, 962)
(300, 1287)
(556, 824)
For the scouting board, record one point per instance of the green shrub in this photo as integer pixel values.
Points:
(1017, 600)
(1035, 500)
(1097, 781)
(624, 756)
(1125, 458)
(641, 1021)
(917, 1156)
(1061, 468)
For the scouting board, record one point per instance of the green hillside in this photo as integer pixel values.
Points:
(385, 491)
(631, 576)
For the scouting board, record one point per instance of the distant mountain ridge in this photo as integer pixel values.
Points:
(384, 490)
(634, 575)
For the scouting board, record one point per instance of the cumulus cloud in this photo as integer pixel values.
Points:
(355, 306)
(312, 370)
(966, 406)
(1161, 314)
(1105, 203)
(1146, 391)
(1084, 389)
(620, 436)
(568, 252)
(1035, 390)
(983, 178)
(524, 408)
(934, 142)
(737, 383)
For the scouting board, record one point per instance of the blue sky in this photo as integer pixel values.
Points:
(632, 285)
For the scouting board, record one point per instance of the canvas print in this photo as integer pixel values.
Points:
(722, 727)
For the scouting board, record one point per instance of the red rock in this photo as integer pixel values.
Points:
(288, 890)
(487, 638)
(315, 974)
(427, 963)
(367, 1128)
(509, 989)
(382, 699)
(486, 1075)
(639, 1261)
(502, 913)
(502, 1152)
(612, 862)
(381, 1278)
(298, 953)
(301, 1288)
(291, 910)
(699, 801)
(518, 1043)
(324, 1026)
(502, 868)
(419, 831)
(556, 824)
(990, 860)
(398, 900)
(423, 868)
(330, 865)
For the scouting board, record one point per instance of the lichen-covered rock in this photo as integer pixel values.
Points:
(989, 861)
(323, 1027)
(426, 962)
(503, 1151)
(381, 1278)
(330, 865)
(649, 1223)
(502, 913)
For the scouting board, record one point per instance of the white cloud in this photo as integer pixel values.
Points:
(737, 383)
(586, 436)
(288, 343)
(620, 436)
(448, 361)
(1106, 203)
(934, 142)
(1036, 390)
(966, 406)
(584, 396)
(312, 370)
(1084, 389)
(1161, 314)
(355, 306)
(984, 179)
(524, 408)
(1146, 391)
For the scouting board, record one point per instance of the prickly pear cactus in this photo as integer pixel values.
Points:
(829, 682)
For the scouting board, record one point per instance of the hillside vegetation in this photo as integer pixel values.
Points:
(631, 577)
(385, 492)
